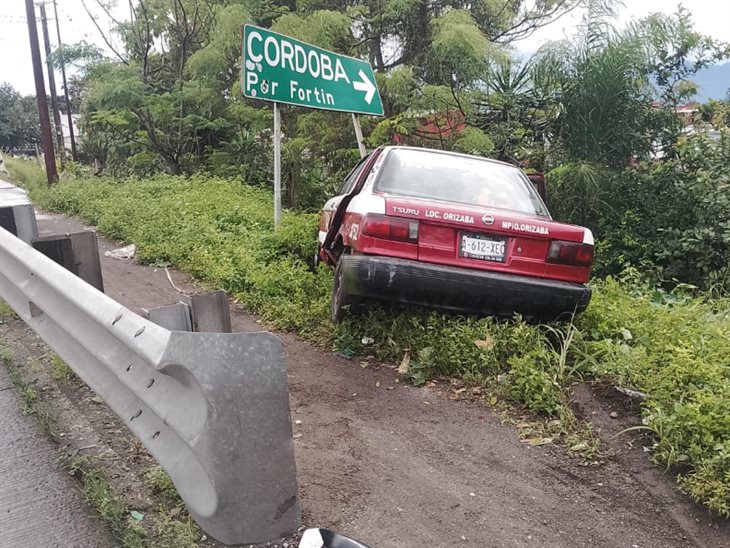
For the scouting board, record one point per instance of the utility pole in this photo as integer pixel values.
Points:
(61, 146)
(74, 154)
(40, 95)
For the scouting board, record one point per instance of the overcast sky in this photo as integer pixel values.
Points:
(711, 17)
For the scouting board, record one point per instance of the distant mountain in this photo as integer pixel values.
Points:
(713, 82)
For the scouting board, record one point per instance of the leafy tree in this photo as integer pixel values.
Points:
(171, 101)
(19, 124)
(516, 112)
(395, 33)
(666, 214)
(603, 89)
(151, 105)
(675, 52)
(716, 113)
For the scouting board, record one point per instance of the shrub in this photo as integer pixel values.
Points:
(670, 218)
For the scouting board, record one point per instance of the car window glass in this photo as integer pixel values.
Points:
(352, 177)
(459, 179)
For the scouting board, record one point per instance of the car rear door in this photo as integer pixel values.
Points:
(334, 210)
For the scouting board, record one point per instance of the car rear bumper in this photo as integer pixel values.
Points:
(461, 289)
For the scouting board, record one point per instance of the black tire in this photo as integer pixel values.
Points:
(340, 297)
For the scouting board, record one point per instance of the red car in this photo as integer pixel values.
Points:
(455, 232)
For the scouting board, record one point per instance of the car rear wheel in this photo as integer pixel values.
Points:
(340, 297)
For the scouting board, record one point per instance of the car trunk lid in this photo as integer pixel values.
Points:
(488, 238)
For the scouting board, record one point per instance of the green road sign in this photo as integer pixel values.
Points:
(281, 69)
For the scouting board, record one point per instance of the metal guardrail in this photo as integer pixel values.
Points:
(16, 212)
(205, 312)
(212, 408)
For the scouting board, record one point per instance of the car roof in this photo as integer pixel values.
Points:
(449, 153)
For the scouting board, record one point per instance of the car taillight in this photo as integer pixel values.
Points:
(390, 228)
(570, 253)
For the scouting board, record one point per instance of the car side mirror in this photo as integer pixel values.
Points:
(324, 538)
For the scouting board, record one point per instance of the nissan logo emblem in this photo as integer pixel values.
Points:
(488, 219)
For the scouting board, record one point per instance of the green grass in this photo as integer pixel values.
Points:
(175, 528)
(673, 347)
(24, 172)
(169, 527)
(59, 370)
(107, 503)
(31, 402)
(6, 313)
(6, 355)
(161, 485)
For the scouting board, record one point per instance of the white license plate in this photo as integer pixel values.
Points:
(487, 249)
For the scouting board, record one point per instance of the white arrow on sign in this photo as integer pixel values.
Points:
(365, 85)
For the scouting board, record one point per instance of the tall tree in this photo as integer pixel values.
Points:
(19, 125)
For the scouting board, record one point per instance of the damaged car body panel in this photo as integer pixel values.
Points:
(452, 231)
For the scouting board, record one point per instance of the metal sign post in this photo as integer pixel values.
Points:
(358, 135)
(282, 69)
(277, 166)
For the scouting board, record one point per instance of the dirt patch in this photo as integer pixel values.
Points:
(613, 414)
(400, 466)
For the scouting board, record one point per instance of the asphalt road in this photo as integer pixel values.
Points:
(40, 505)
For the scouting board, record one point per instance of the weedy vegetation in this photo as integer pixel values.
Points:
(60, 371)
(31, 402)
(167, 528)
(673, 346)
(5, 311)
(107, 503)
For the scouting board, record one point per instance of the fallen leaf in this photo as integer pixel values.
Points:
(487, 342)
(405, 363)
(136, 515)
(538, 441)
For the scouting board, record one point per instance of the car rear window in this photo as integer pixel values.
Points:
(460, 179)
